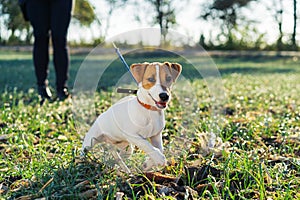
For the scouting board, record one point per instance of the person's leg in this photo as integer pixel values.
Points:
(39, 17)
(60, 20)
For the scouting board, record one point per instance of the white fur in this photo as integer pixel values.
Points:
(129, 122)
(126, 123)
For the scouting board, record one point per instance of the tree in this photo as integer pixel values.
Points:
(163, 13)
(113, 5)
(294, 45)
(84, 12)
(278, 13)
(13, 20)
(226, 11)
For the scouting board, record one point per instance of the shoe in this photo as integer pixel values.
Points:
(63, 94)
(44, 92)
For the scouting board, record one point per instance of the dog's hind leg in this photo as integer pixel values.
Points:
(93, 136)
(118, 158)
(125, 149)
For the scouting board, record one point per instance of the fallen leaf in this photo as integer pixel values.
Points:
(18, 184)
(26, 197)
(4, 137)
(3, 189)
(119, 195)
(82, 184)
(4, 169)
(160, 178)
(62, 138)
(89, 194)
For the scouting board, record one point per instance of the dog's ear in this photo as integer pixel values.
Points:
(138, 71)
(175, 69)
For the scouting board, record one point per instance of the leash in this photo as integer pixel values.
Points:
(122, 90)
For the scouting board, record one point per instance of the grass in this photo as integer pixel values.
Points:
(260, 121)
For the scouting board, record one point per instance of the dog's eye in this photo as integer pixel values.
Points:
(168, 78)
(151, 79)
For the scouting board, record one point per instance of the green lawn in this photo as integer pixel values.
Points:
(260, 122)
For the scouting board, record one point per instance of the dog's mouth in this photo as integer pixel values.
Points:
(159, 104)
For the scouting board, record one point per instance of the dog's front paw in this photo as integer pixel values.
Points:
(156, 159)
(148, 164)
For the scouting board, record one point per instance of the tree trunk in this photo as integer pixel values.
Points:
(279, 21)
(294, 45)
(160, 18)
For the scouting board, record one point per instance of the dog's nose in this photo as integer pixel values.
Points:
(164, 96)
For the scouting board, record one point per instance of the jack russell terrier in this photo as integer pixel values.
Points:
(138, 120)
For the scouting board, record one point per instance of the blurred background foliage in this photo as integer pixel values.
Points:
(236, 31)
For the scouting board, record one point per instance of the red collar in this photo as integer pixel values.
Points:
(147, 106)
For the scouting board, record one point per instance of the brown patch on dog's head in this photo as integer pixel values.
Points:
(175, 70)
(155, 81)
(149, 78)
(165, 74)
(138, 71)
(147, 74)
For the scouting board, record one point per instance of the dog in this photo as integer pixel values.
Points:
(138, 120)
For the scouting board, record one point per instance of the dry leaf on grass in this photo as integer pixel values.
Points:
(160, 178)
(89, 194)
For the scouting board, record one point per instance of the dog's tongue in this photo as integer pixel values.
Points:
(161, 104)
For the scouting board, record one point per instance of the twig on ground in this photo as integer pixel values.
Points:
(46, 184)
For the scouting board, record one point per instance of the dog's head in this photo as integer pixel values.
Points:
(155, 81)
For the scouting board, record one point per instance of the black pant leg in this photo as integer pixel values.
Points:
(60, 20)
(38, 13)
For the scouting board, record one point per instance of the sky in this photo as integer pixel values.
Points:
(188, 23)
